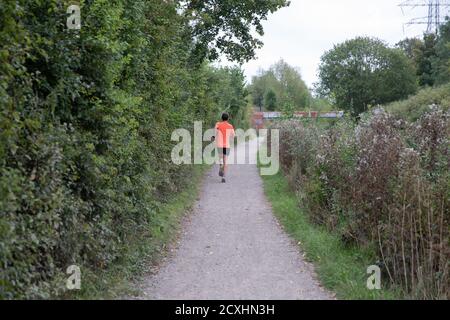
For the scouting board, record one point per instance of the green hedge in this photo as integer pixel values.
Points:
(85, 125)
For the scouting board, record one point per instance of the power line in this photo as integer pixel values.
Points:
(437, 11)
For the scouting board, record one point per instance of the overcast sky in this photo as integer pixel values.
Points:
(302, 32)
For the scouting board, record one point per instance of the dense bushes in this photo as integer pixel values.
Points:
(85, 124)
(384, 184)
(416, 105)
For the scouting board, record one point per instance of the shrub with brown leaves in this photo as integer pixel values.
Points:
(382, 182)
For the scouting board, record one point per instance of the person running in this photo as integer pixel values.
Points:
(224, 132)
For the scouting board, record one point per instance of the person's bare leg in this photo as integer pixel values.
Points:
(224, 164)
(221, 164)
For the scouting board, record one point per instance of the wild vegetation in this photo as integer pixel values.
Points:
(416, 105)
(380, 184)
(86, 120)
(379, 179)
(340, 267)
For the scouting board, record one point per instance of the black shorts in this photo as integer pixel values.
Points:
(224, 151)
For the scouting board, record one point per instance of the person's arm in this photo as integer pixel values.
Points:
(231, 133)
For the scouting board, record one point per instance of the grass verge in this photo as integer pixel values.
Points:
(143, 250)
(340, 268)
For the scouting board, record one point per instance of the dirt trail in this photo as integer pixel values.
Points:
(234, 249)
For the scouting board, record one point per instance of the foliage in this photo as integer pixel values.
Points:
(441, 64)
(271, 100)
(415, 106)
(365, 72)
(430, 55)
(228, 91)
(85, 128)
(381, 183)
(287, 84)
(412, 47)
(228, 26)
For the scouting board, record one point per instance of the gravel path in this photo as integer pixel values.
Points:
(234, 249)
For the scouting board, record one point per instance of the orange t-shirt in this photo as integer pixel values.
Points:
(224, 132)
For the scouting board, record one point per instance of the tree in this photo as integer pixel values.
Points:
(292, 89)
(430, 55)
(363, 72)
(227, 89)
(261, 83)
(425, 59)
(271, 100)
(287, 84)
(257, 95)
(441, 63)
(237, 102)
(412, 47)
(227, 26)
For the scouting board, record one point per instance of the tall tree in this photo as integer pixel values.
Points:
(363, 72)
(285, 82)
(425, 60)
(271, 100)
(412, 48)
(430, 55)
(441, 63)
(290, 85)
(228, 26)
